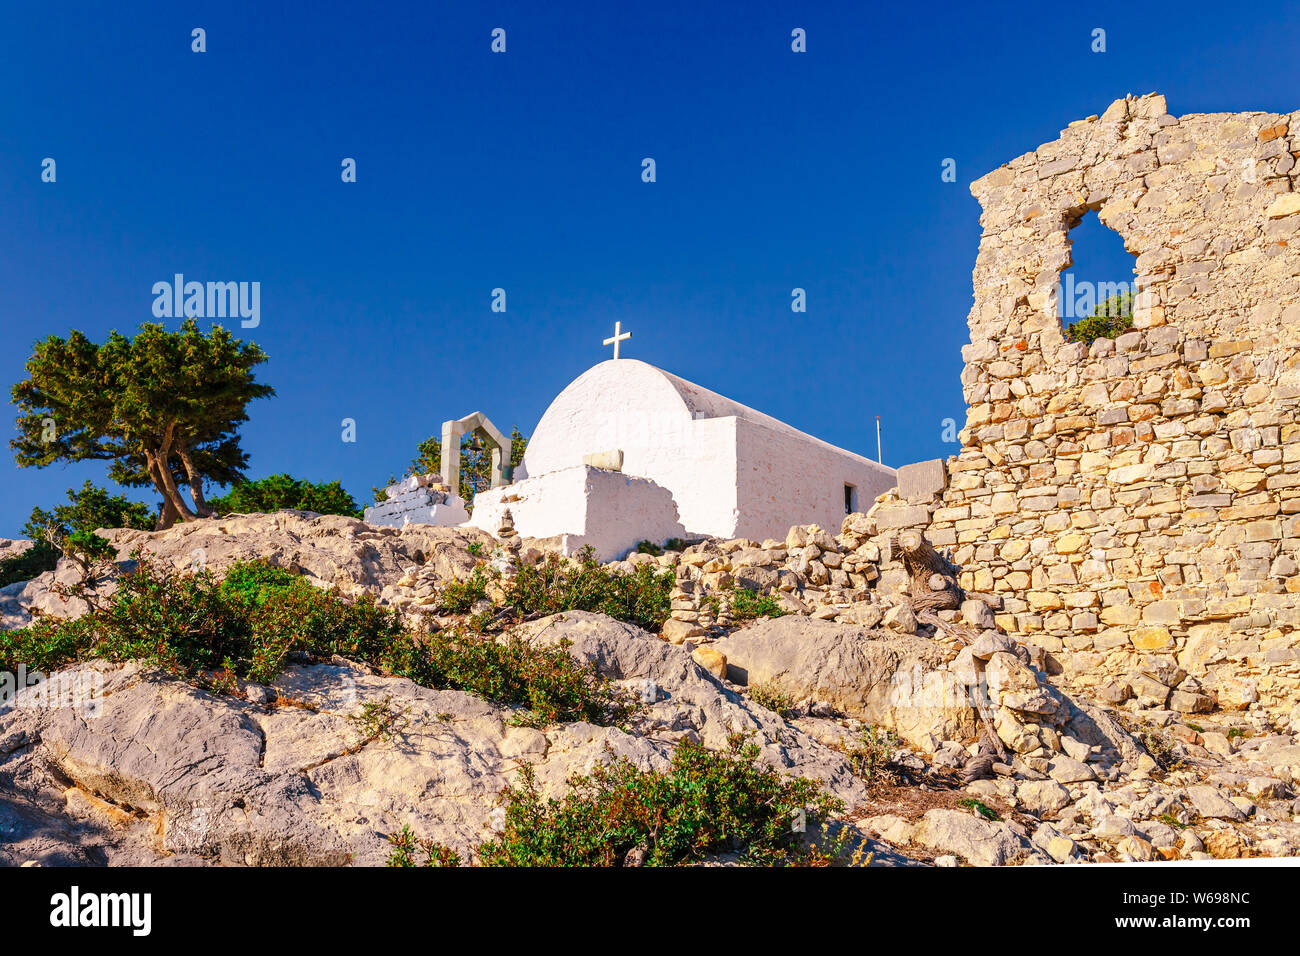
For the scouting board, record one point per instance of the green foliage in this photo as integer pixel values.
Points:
(88, 547)
(88, 509)
(70, 529)
(555, 585)
(278, 492)
(163, 407)
(672, 544)
(35, 561)
(459, 596)
(247, 627)
(872, 753)
(1109, 319)
(775, 700)
(379, 720)
(983, 809)
(546, 681)
(747, 605)
(406, 846)
(707, 802)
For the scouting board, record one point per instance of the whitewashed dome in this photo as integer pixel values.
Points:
(625, 404)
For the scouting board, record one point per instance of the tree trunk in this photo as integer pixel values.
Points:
(195, 480)
(933, 583)
(174, 506)
(168, 516)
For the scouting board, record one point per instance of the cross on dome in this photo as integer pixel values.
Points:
(619, 336)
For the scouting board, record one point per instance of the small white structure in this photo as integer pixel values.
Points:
(731, 471)
(581, 506)
(420, 499)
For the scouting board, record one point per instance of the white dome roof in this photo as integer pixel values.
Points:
(622, 396)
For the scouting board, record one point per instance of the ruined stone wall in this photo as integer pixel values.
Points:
(1138, 500)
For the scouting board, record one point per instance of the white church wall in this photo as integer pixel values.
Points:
(583, 505)
(633, 407)
(785, 481)
(733, 471)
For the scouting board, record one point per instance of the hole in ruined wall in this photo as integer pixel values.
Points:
(1098, 289)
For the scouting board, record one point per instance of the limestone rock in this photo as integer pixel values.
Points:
(979, 841)
(898, 682)
(220, 779)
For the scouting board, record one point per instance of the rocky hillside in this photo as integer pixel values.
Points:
(945, 742)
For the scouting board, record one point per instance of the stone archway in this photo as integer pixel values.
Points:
(475, 424)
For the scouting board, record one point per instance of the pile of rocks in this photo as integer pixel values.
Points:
(812, 572)
(419, 499)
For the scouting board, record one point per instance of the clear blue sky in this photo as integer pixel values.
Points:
(522, 171)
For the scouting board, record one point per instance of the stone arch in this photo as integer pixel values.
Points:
(475, 424)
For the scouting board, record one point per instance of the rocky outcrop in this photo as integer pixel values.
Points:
(403, 566)
(291, 774)
(898, 682)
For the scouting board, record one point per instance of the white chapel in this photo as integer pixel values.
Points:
(628, 452)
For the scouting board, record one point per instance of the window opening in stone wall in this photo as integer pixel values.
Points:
(850, 499)
(1097, 291)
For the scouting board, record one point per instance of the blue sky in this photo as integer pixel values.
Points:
(522, 171)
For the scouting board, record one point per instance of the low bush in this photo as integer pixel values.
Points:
(72, 527)
(459, 596)
(248, 625)
(88, 509)
(747, 605)
(707, 802)
(35, 561)
(278, 492)
(555, 585)
(871, 754)
(766, 695)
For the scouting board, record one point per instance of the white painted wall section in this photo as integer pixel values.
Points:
(608, 510)
(732, 471)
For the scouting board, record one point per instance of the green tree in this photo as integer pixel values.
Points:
(277, 492)
(163, 407)
(88, 509)
(71, 528)
(1108, 319)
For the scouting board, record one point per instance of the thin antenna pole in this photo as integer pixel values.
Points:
(879, 455)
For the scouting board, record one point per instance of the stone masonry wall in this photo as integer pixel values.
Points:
(1136, 503)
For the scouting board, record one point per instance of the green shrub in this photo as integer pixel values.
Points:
(775, 700)
(459, 596)
(279, 492)
(747, 605)
(707, 802)
(649, 547)
(1109, 319)
(89, 509)
(980, 807)
(36, 560)
(248, 625)
(872, 752)
(555, 585)
(87, 546)
(405, 847)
